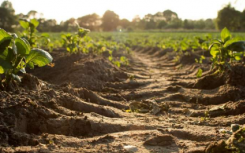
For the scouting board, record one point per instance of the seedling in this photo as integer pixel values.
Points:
(29, 33)
(226, 50)
(30, 29)
(15, 55)
(199, 72)
(72, 42)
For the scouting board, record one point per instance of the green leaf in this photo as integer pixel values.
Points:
(7, 54)
(117, 63)
(38, 57)
(238, 56)
(229, 42)
(238, 46)
(31, 65)
(4, 66)
(214, 52)
(5, 40)
(199, 73)
(24, 23)
(83, 32)
(213, 45)
(225, 35)
(110, 58)
(34, 22)
(23, 48)
(1, 70)
(196, 60)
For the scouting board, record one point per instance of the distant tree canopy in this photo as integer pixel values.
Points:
(7, 17)
(243, 20)
(91, 21)
(230, 18)
(110, 21)
(124, 23)
(169, 15)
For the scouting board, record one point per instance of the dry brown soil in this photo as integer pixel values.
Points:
(82, 105)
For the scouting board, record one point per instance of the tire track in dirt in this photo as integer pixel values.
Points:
(67, 119)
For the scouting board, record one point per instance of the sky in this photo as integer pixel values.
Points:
(62, 10)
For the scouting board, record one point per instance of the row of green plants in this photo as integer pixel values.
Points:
(19, 51)
(224, 48)
(80, 42)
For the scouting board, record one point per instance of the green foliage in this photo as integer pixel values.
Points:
(110, 21)
(73, 42)
(15, 54)
(226, 50)
(230, 18)
(199, 73)
(7, 17)
(30, 34)
(30, 29)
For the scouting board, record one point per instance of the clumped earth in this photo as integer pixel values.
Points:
(85, 104)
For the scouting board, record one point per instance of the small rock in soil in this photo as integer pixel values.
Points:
(130, 148)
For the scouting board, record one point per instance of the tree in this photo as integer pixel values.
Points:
(137, 23)
(162, 24)
(32, 14)
(124, 23)
(150, 24)
(69, 25)
(175, 24)
(209, 24)
(110, 21)
(91, 21)
(188, 24)
(7, 17)
(229, 17)
(243, 20)
(8, 5)
(48, 25)
(199, 24)
(170, 15)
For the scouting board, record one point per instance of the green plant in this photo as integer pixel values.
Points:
(30, 30)
(30, 34)
(15, 55)
(72, 43)
(44, 41)
(199, 71)
(226, 50)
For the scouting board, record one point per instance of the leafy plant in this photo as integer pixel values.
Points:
(199, 71)
(72, 43)
(30, 34)
(15, 55)
(30, 30)
(226, 50)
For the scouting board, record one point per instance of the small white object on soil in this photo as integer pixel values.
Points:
(130, 148)
(224, 131)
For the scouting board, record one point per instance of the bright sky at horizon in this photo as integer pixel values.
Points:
(62, 10)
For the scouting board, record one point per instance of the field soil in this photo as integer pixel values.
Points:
(83, 103)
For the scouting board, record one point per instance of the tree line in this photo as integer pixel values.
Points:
(227, 17)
